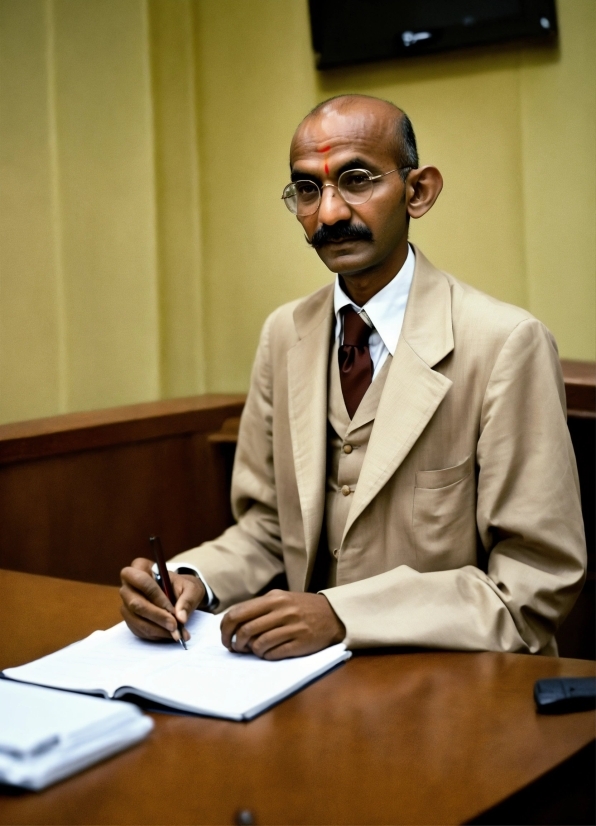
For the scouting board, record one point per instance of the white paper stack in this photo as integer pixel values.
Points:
(46, 735)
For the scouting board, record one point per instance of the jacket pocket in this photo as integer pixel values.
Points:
(444, 517)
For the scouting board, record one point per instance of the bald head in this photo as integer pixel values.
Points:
(374, 113)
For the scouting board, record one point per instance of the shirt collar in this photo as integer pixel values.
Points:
(386, 308)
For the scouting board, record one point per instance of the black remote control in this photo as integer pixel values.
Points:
(565, 694)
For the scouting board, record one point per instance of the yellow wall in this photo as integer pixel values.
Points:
(511, 129)
(100, 277)
(143, 150)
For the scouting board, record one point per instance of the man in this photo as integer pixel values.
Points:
(408, 468)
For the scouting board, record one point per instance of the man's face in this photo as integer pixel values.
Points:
(358, 137)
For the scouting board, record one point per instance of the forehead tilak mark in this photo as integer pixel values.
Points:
(322, 151)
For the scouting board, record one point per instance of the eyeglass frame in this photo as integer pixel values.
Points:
(372, 178)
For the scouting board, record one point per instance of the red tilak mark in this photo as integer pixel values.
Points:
(324, 149)
(326, 169)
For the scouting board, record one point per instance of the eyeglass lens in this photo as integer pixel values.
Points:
(303, 197)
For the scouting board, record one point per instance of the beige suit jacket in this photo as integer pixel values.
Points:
(465, 528)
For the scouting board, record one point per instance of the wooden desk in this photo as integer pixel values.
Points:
(432, 737)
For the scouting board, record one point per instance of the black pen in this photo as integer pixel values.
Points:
(165, 581)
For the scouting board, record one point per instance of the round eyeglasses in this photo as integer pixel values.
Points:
(354, 185)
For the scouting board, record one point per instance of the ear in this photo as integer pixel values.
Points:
(423, 187)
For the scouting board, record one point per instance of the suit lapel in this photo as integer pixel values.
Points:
(413, 390)
(308, 362)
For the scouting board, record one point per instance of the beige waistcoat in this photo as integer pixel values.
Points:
(347, 442)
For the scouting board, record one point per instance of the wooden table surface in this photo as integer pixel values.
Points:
(430, 737)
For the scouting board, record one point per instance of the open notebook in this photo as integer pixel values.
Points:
(206, 679)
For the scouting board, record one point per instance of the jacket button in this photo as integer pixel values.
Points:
(346, 490)
(348, 448)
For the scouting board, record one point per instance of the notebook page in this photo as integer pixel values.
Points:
(237, 686)
(106, 660)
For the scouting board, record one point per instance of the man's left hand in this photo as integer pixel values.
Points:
(281, 624)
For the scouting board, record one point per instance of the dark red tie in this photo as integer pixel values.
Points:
(355, 364)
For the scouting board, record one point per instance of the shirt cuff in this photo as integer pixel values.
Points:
(210, 601)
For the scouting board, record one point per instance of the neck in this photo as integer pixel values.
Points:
(361, 286)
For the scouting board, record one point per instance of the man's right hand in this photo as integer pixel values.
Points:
(146, 609)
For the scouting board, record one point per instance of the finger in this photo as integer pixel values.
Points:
(248, 631)
(228, 632)
(143, 628)
(270, 640)
(146, 629)
(246, 611)
(190, 592)
(143, 598)
(143, 564)
(143, 582)
(292, 648)
(228, 627)
(136, 603)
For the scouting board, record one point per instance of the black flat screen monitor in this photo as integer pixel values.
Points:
(354, 31)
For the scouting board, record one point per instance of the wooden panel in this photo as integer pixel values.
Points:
(389, 737)
(580, 387)
(228, 433)
(577, 636)
(118, 425)
(80, 494)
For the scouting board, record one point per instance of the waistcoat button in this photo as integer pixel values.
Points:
(348, 448)
(346, 490)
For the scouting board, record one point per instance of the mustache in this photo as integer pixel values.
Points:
(342, 231)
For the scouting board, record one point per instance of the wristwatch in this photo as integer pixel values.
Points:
(210, 602)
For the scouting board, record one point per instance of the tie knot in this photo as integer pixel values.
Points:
(356, 331)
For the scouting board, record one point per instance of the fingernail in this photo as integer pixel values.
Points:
(182, 616)
(176, 635)
(233, 640)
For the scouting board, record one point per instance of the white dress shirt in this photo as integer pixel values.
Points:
(210, 602)
(384, 312)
